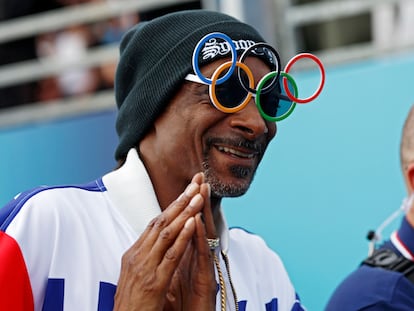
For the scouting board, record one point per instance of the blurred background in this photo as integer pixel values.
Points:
(331, 174)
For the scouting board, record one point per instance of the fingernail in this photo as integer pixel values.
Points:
(198, 178)
(191, 189)
(189, 222)
(202, 177)
(196, 200)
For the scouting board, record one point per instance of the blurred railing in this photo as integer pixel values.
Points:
(391, 26)
(36, 69)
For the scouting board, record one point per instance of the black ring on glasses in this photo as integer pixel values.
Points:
(277, 67)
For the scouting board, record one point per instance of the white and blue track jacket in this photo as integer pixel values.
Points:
(61, 247)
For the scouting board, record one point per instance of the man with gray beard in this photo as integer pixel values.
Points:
(151, 235)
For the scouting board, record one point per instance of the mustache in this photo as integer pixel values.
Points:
(257, 146)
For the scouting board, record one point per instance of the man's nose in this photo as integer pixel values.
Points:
(250, 121)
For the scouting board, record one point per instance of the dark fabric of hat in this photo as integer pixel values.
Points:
(155, 57)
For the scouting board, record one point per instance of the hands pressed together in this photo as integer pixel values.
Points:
(170, 267)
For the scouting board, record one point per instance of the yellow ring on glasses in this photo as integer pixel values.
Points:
(212, 87)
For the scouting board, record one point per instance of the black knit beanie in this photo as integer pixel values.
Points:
(155, 57)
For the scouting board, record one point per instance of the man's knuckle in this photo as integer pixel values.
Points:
(166, 234)
(152, 223)
(150, 285)
(127, 259)
(171, 254)
(161, 221)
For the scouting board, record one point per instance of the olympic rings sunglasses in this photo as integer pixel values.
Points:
(276, 94)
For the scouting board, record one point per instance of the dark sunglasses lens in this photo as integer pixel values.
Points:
(274, 102)
(269, 100)
(285, 104)
(230, 93)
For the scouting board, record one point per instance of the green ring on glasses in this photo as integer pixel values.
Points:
(259, 89)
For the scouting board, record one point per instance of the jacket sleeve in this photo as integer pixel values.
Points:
(372, 288)
(15, 289)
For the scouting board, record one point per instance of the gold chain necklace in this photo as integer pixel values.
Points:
(221, 281)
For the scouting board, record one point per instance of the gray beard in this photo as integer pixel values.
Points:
(220, 189)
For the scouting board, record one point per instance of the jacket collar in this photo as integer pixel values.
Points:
(131, 191)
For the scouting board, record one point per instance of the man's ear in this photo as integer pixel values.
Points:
(409, 181)
(409, 177)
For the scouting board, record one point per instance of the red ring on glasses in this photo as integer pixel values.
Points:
(321, 84)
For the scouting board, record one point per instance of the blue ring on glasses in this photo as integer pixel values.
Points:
(197, 50)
